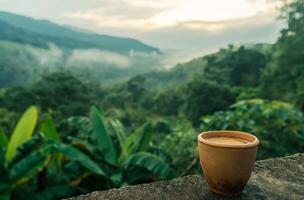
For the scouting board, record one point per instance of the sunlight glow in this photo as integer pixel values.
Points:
(161, 13)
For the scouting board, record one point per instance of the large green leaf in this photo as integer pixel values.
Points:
(3, 139)
(82, 125)
(119, 131)
(23, 131)
(35, 143)
(72, 171)
(30, 165)
(74, 154)
(151, 163)
(48, 129)
(145, 138)
(104, 140)
(139, 140)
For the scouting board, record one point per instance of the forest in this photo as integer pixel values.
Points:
(65, 132)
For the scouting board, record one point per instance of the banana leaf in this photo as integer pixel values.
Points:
(48, 129)
(104, 140)
(73, 172)
(30, 165)
(151, 163)
(26, 149)
(82, 125)
(119, 131)
(138, 141)
(22, 132)
(74, 154)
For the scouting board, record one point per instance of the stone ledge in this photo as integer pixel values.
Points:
(275, 178)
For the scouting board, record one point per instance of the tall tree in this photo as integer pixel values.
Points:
(284, 79)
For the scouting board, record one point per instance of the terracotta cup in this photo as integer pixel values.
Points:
(227, 167)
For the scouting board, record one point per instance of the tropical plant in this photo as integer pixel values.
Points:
(11, 172)
(23, 157)
(182, 149)
(278, 125)
(284, 77)
(125, 158)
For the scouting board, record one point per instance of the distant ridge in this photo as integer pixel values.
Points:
(41, 32)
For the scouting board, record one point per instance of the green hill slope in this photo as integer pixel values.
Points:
(48, 32)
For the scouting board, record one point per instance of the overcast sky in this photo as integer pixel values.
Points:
(177, 24)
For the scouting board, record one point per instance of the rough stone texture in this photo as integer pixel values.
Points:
(275, 178)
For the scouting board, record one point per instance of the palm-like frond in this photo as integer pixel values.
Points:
(150, 162)
(76, 155)
(48, 129)
(138, 141)
(104, 141)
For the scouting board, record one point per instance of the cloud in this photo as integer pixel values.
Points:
(158, 14)
(182, 24)
(206, 35)
(45, 57)
(123, 13)
(79, 57)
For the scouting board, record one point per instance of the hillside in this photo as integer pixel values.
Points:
(41, 32)
(184, 72)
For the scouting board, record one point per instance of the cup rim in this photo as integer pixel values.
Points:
(253, 143)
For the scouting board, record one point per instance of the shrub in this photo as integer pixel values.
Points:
(278, 125)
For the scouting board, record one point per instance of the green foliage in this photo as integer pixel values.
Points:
(80, 157)
(182, 148)
(48, 129)
(3, 139)
(205, 97)
(61, 94)
(62, 91)
(23, 169)
(22, 159)
(278, 125)
(138, 141)
(26, 157)
(241, 67)
(150, 162)
(169, 102)
(283, 79)
(136, 87)
(7, 120)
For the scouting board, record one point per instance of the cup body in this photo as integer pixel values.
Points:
(227, 167)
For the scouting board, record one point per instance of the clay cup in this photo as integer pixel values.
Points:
(227, 167)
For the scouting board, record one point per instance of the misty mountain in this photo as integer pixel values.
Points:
(40, 33)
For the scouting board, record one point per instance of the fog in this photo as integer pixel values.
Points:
(53, 57)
